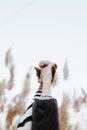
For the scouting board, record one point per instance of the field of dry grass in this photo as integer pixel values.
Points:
(11, 110)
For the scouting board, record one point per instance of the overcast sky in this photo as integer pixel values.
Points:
(37, 30)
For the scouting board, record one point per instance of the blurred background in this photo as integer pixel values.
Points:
(34, 30)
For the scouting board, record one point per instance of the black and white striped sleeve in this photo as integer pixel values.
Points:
(25, 122)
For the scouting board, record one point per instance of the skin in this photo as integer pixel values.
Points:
(45, 73)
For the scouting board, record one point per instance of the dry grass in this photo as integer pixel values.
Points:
(76, 106)
(26, 88)
(19, 101)
(12, 112)
(2, 87)
(63, 113)
(65, 71)
(79, 101)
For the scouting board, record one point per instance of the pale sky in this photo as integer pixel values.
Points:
(37, 30)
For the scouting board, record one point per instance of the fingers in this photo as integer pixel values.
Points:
(38, 72)
(43, 64)
(53, 69)
(54, 66)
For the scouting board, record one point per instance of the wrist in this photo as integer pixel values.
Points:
(40, 88)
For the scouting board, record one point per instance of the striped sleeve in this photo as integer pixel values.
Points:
(26, 119)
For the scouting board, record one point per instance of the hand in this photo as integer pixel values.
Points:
(42, 65)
